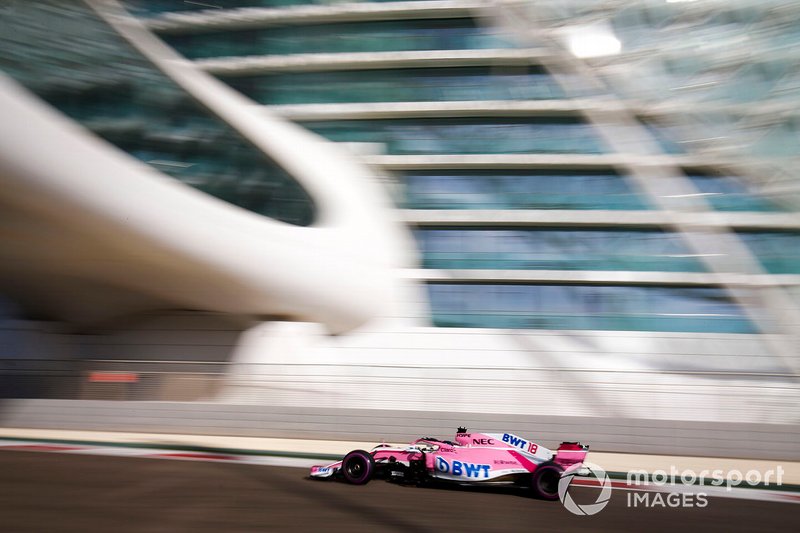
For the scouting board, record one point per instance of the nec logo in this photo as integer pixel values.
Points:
(462, 469)
(483, 442)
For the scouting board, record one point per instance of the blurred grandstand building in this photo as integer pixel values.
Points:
(580, 209)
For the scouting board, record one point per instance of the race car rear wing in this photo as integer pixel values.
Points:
(569, 453)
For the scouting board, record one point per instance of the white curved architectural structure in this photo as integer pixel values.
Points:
(106, 235)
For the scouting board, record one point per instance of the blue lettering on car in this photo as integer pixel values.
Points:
(460, 468)
(515, 441)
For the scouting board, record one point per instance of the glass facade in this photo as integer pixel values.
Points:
(525, 189)
(729, 193)
(585, 307)
(555, 249)
(72, 60)
(531, 189)
(155, 7)
(732, 70)
(369, 36)
(780, 140)
(467, 135)
(399, 85)
(123, 100)
(779, 252)
(679, 41)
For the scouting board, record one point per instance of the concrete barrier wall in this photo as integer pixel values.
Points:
(709, 439)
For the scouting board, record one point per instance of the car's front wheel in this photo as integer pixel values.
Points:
(544, 481)
(358, 467)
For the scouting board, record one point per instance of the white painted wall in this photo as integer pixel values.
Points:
(666, 376)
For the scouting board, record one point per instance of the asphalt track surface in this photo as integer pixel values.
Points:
(44, 492)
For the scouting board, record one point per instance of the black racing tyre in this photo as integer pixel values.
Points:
(358, 467)
(544, 481)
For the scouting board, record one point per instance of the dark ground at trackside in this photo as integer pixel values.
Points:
(44, 492)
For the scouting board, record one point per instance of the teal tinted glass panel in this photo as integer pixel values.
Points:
(399, 85)
(466, 135)
(371, 36)
(728, 193)
(778, 252)
(554, 249)
(528, 189)
(72, 60)
(779, 140)
(155, 7)
(559, 307)
(666, 139)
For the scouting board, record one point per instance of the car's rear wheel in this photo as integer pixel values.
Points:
(544, 481)
(358, 467)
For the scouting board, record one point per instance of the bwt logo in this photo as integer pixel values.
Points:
(515, 441)
(520, 443)
(462, 469)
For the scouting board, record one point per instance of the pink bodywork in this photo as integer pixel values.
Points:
(475, 457)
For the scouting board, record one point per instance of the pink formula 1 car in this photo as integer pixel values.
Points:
(474, 458)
